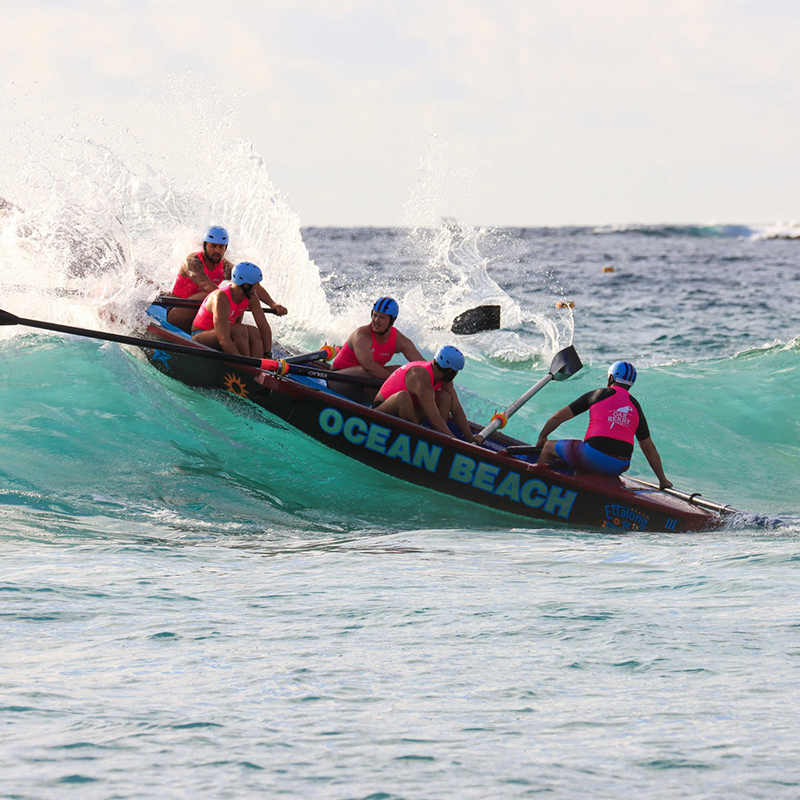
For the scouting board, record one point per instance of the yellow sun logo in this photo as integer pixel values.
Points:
(235, 385)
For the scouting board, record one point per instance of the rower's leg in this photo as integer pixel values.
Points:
(255, 343)
(350, 391)
(400, 405)
(184, 317)
(240, 339)
(208, 338)
(444, 402)
(548, 454)
(266, 342)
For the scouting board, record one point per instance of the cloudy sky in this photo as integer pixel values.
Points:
(496, 112)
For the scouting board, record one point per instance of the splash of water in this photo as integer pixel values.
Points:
(97, 224)
(455, 270)
(455, 277)
(102, 212)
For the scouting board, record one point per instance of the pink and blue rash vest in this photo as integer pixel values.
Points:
(381, 353)
(615, 417)
(186, 287)
(396, 382)
(204, 319)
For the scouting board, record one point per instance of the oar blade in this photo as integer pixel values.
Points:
(476, 320)
(565, 364)
(8, 319)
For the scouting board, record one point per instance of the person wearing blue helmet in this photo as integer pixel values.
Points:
(616, 420)
(202, 273)
(369, 348)
(218, 322)
(424, 390)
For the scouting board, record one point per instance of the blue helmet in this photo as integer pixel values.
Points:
(623, 373)
(388, 306)
(245, 272)
(449, 357)
(216, 235)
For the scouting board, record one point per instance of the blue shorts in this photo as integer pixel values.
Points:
(584, 458)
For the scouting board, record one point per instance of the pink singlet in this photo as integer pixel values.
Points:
(381, 353)
(186, 287)
(204, 319)
(615, 417)
(396, 382)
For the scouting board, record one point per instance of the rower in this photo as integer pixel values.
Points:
(202, 273)
(218, 322)
(368, 350)
(424, 389)
(615, 420)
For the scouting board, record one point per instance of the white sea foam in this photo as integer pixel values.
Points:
(103, 212)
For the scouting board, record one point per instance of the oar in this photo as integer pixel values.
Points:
(168, 301)
(564, 365)
(475, 320)
(757, 520)
(328, 352)
(695, 499)
(332, 375)
(278, 366)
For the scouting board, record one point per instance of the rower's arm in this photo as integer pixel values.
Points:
(264, 295)
(557, 419)
(460, 418)
(362, 347)
(407, 348)
(654, 460)
(261, 322)
(221, 309)
(418, 382)
(192, 268)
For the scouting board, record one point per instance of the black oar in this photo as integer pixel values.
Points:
(564, 365)
(328, 352)
(332, 375)
(168, 301)
(278, 366)
(475, 320)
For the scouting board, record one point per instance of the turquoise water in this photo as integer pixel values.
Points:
(198, 601)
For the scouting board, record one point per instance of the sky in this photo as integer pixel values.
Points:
(493, 112)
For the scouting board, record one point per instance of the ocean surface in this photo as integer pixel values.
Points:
(197, 601)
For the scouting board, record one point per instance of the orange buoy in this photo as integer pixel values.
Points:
(608, 269)
(565, 304)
